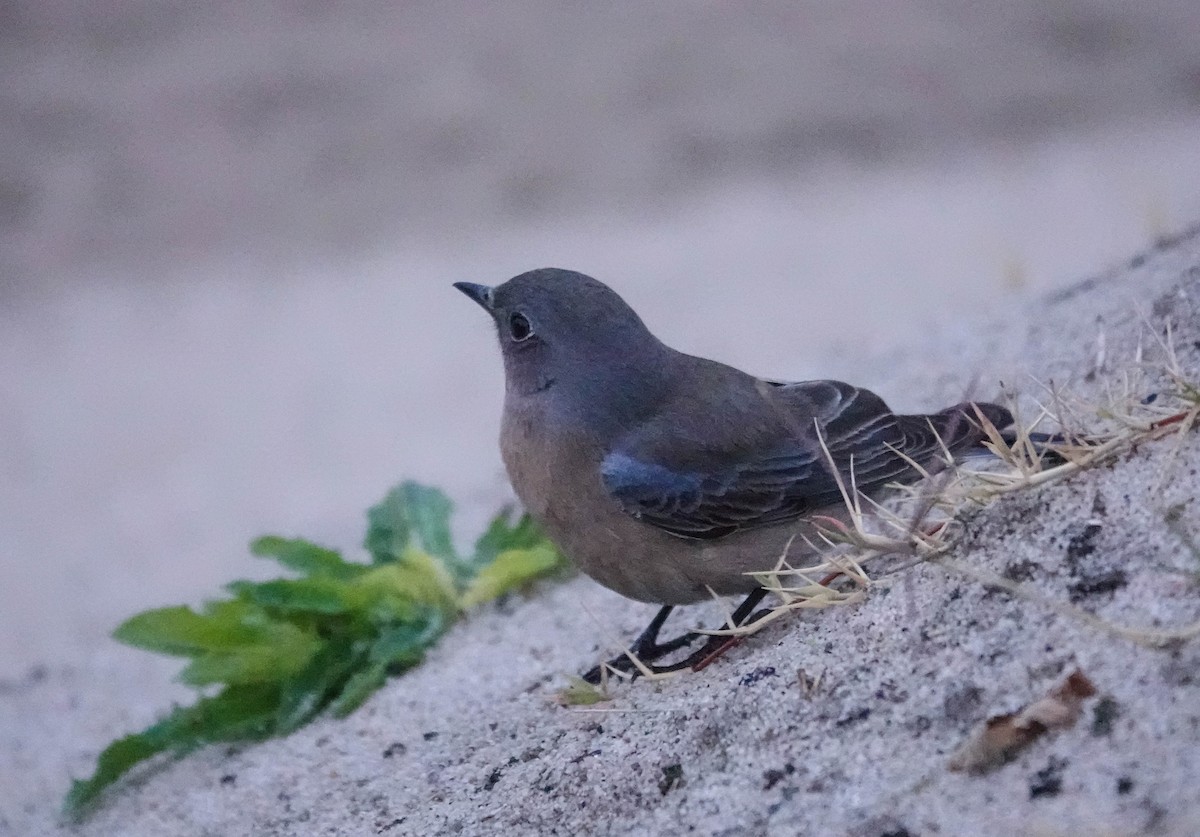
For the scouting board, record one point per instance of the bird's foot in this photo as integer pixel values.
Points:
(646, 649)
(645, 653)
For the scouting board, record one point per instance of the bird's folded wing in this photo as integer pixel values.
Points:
(711, 488)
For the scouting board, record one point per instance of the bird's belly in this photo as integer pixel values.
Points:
(558, 481)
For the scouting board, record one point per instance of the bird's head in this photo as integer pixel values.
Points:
(570, 337)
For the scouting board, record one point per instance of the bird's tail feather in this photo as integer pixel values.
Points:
(966, 415)
(960, 430)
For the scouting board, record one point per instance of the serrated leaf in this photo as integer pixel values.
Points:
(410, 514)
(183, 632)
(358, 688)
(404, 645)
(387, 529)
(310, 690)
(253, 663)
(114, 761)
(299, 595)
(510, 570)
(429, 512)
(503, 534)
(389, 526)
(387, 608)
(236, 713)
(305, 557)
(288, 649)
(417, 577)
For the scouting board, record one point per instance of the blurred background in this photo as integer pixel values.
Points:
(228, 229)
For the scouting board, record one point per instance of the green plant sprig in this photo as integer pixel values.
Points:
(281, 652)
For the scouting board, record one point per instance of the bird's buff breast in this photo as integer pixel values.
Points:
(557, 478)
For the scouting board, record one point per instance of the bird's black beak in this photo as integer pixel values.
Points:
(482, 294)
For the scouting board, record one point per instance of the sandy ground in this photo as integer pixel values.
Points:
(226, 239)
(473, 743)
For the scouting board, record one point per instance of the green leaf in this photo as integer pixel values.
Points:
(305, 557)
(231, 642)
(387, 528)
(511, 569)
(239, 712)
(579, 692)
(387, 607)
(403, 646)
(429, 512)
(183, 632)
(116, 759)
(409, 512)
(287, 649)
(398, 647)
(358, 688)
(502, 535)
(309, 691)
(251, 663)
(298, 595)
(415, 577)
(236, 713)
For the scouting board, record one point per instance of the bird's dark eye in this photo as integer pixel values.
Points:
(519, 327)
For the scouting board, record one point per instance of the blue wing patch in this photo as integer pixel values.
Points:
(646, 487)
(713, 504)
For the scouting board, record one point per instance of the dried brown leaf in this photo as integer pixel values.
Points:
(1003, 736)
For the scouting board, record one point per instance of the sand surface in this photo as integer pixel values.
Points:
(472, 742)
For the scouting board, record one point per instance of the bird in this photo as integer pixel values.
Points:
(669, 478)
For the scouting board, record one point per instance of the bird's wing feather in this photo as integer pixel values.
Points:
(718, 489)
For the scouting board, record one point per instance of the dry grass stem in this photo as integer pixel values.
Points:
(925, 523)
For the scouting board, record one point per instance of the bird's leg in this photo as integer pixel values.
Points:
(646, 647)
(718, 644)
(741, 616)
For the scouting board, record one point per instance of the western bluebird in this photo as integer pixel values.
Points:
(668, 477)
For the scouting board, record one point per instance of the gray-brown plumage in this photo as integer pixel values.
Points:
(664, 476)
